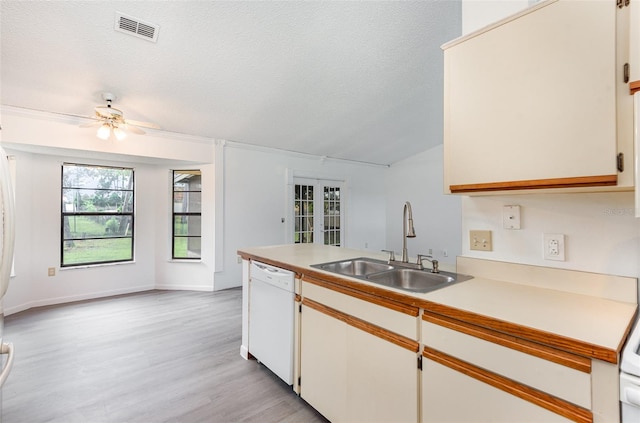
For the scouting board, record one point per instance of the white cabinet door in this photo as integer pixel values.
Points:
(323, 363)
(634, 43)
(451, 396)
(382, 382)
(351, 375)
(535, 101)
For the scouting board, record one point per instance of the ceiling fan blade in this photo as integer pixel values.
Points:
(143, 124)
(131, 128)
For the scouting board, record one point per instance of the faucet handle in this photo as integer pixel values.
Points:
(392, 255)
(434, 263)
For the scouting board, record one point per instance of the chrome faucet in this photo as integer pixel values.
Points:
(407, 233)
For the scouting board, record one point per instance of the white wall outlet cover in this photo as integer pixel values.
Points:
(553, 246)
(511, 217)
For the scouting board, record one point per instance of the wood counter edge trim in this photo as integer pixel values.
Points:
(539, 398)
(360, 294)
(560, 342)
(574, 182)
(580, 363)
(380, 296)
(387, 335)
(634, 86)
(400, 302)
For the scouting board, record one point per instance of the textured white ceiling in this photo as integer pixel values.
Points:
(352, 80)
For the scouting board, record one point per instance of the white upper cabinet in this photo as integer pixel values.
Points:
(634, 45)
(539, 101)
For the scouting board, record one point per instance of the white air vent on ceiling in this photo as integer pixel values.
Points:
(136, 27)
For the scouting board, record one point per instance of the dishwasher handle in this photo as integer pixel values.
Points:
(271, 269)
(266, 268)
(281, 278)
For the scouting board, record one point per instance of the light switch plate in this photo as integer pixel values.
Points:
(511, 217)
(480, 240)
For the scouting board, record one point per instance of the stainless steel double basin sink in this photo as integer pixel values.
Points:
(392, 275)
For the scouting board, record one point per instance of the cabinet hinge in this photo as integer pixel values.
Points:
(625, 73)
(620, 162)
(300, 308)
(622, 3)
(299, 381)
(419, 362)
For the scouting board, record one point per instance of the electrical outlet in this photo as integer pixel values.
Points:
(480, 240)
(553, 246)
(51, 271)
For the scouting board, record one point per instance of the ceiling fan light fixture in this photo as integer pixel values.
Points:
(119, 133)
(104, 131)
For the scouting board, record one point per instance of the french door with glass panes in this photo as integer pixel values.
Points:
(317, 212)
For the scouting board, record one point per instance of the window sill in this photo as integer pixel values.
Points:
(184, 260)
(88, 266)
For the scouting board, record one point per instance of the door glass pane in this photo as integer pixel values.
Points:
(332, 216)
(303, 214)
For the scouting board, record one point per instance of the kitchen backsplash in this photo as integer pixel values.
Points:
(601, 233)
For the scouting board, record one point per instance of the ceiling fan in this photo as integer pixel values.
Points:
(110, 119)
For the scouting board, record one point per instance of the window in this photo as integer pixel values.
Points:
(97, 214)
(187, 218)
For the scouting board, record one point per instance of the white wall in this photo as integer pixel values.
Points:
(601, 233)
(37, 193)
(40, 143)
(245, 196)
(255, 198)
(437, 217)
(197, 275)
(479, 13)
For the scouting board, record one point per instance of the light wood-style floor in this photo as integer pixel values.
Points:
(156, 356)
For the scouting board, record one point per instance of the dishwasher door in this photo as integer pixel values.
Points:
(630, 378)
(271, 318)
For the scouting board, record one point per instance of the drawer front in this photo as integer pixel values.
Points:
(472, 400)
(556, 379)
(391, 320)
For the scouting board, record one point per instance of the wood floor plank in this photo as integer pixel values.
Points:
(155, 356)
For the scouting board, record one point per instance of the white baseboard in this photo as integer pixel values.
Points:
(175, 287)
(244, 352)
(73, 298)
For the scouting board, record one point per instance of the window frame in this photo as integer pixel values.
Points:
(64, 214)
(187, 214)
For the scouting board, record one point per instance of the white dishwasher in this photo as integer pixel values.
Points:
(271, 313)
(630, 378)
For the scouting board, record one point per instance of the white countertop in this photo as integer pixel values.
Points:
(586, 318)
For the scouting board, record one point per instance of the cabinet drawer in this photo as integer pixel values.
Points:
(472, 400)
(392, 320)
(556, 379)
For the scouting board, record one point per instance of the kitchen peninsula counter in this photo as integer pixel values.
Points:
(579, 312)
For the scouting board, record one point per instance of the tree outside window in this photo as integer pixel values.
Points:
(187, 217)
(97, 214)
